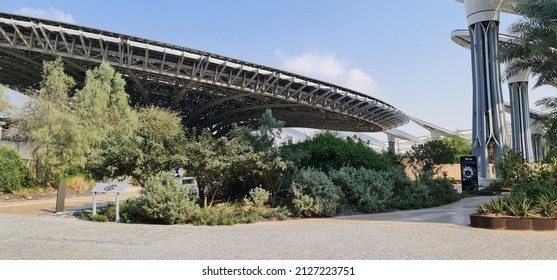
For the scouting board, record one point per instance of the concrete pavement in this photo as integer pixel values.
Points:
(47, 206)
(439, 233)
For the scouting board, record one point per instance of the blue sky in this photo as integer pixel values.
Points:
(397, 51)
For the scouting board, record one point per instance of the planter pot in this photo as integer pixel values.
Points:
(544, 224)
(513, 223)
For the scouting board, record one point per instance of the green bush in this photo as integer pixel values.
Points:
(107, 214)
(427, 193)
(536, 189)
(315, 195)
(162, 201)
(222, 214)
(369, 190)
(258, 198)
(513, 169)
(327, 151)
(442, 192)
(413, 196)
(15, 175)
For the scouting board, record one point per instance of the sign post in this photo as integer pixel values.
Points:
(469, 172)
(109, 188)
(61, 197)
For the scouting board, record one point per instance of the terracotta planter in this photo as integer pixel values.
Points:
(513, 223)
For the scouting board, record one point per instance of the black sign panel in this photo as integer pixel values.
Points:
(469, 172)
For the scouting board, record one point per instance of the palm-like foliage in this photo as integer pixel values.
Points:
(549, 120)
(535, 46)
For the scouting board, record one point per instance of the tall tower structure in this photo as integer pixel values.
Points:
(520, 115)
(519, 105)
(488, 113)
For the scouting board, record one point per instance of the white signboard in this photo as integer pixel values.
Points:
(109, 188)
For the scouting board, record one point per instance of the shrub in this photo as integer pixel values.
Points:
(258, 197)
(107, 214)
(369, 190)
(427, 193)
(221, 214)
(536, 189)
(15, 175)
(513, 169)
(79, 184)
(442, 192)
(162, 201)
(413, 196)
(327, 151)
(315, 195)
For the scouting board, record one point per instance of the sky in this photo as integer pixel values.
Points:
(397, 51)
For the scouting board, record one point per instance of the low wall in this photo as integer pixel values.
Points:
(453, 172)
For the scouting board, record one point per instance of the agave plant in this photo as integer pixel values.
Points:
(547, 207)
(519, 206)
(497, 206)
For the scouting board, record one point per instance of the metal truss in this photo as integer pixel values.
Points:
(210, 91)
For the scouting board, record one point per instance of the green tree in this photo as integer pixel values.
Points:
(215, 161)
(54, 133)
(459, 145)
(327, 151)
(155, 146)
(271, 166)
(103, 108)
(424, 159)
(536, 43)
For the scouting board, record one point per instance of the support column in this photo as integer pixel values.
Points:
(488, 126)
(520, 115)
(391, 140)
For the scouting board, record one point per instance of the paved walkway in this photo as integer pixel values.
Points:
(47, 206)
(439, 233)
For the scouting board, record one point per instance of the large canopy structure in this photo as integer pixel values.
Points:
(209, 90)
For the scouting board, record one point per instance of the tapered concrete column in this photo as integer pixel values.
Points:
(488, 126)
(520, 115)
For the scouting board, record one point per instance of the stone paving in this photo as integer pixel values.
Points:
(438, 233)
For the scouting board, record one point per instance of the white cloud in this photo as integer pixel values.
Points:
(328, 68)
(50, 13)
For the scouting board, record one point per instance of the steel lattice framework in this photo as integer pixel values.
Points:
(210, 91)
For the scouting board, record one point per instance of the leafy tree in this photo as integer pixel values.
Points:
(326, 151)
(155, 146)
(54, 133)
(271, 167)
(214, 161)
(263, 138)
(459, 145)
(424, 159)
(102, 106)
(534, 48)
